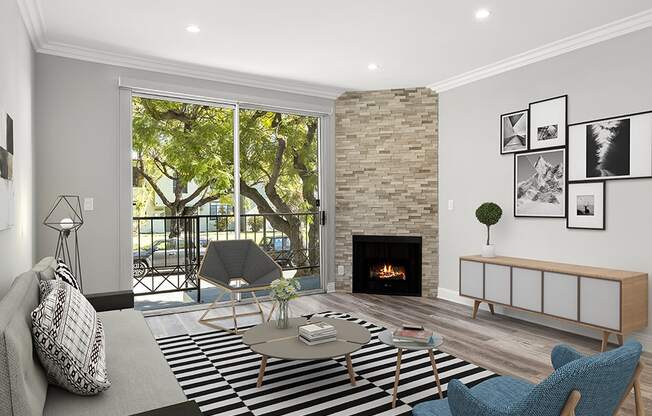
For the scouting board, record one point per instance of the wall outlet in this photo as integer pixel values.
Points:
(330, 287)
(88, 204)
(451, 205)
(340, 270)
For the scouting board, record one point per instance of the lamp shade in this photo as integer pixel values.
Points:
(65, 214)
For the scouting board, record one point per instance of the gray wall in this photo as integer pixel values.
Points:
(607, 79)
(77, 136)
(16, 93)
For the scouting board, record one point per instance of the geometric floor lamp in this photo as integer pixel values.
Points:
(66, 217)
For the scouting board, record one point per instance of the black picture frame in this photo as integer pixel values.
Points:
(604, 205)
(527, 132)
(564, 180)
(562, 125)
(586, 178)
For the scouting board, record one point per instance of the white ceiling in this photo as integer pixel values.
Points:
(327, 42)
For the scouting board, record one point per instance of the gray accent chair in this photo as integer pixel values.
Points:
(237, 266)
(141, 378)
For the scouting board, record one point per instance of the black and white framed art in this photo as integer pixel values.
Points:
(586, 205)
(612, 148)
(540, 184)
(514, 132)
(547, 123)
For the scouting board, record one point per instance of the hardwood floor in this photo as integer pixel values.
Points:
(504, 345)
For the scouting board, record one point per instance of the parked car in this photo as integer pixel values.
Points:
(163, 255)
(280, 249)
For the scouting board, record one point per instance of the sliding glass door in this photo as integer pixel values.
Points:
(207, 171)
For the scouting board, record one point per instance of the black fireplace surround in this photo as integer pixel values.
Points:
(387, 265)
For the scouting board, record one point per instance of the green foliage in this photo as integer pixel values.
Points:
(283, 290)
(255, 223)
(488, 214)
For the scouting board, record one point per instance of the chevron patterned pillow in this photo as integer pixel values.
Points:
(69, 339)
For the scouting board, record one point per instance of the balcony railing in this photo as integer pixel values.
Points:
(167, 250)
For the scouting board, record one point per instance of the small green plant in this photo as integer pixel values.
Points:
(488, 214)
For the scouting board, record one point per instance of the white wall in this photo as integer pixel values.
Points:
(607, 79)
(78, 148)
(16, 94)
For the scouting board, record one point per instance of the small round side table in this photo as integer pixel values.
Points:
(387, 338)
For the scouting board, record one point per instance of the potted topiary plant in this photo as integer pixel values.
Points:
(488, 214)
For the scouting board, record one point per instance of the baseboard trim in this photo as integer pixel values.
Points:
(453, 296)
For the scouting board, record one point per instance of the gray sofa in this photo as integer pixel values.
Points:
(140, 377)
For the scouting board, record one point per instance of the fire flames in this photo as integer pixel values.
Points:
(388, 271)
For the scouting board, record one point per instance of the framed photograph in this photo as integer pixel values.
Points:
(586, 205)
(514, 132)
(613, 148)
(540, 184)
(548, 123)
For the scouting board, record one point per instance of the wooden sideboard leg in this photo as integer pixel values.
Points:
(476, 305)
(491, 308)
(621, 339)
(605, 340)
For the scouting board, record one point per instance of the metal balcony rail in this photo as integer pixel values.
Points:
(167, 250)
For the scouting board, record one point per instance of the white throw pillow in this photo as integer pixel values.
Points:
(69, 339)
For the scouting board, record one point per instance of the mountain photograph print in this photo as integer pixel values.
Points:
(540, 184)
(612, 148)
(513, 132)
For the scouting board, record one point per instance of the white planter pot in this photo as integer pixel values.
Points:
(489, 251)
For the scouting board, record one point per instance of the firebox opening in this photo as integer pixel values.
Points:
(387, 271)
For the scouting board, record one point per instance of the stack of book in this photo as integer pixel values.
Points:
(413, 334)
(317, 333)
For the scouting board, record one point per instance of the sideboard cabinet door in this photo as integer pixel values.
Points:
(526, 289)
(497, 283)
(560, 295)
(600, 302)
(471, 279)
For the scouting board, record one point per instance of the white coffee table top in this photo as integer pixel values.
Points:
(266, 339)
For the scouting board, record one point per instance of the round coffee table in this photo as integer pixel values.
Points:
(269, 341)
(387, 338)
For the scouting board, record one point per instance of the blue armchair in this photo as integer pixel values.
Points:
(582, 386)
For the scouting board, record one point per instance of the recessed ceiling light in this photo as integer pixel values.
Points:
(373, 67)
(193, 29)
(482, 14)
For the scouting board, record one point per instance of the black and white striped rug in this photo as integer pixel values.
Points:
(219, 372)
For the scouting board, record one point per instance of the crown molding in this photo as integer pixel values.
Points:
(35, 24)
(189, 70)
(599, 34)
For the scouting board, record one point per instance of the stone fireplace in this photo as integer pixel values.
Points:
(387, 265)
(386, 181)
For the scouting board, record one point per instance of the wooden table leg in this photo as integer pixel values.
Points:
(434, 369)
(476, 305)
(605, 341)
(491, 308)
(261, 373)
(621, 339)
(397, 376)
(349, 366)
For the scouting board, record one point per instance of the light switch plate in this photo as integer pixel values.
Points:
(88, 204)
(451, 204)
(340, 270)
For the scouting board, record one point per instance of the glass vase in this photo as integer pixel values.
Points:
(282, 314)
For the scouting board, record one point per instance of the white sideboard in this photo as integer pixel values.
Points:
(612, 301)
